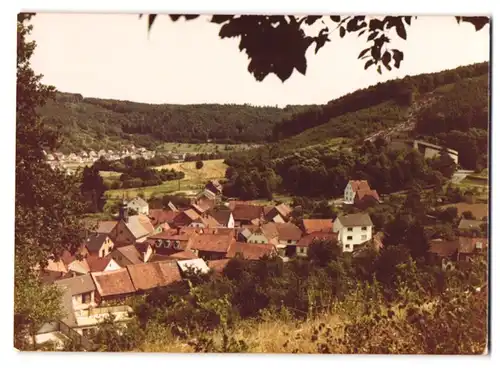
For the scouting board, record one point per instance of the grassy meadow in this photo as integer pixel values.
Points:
(193, 181)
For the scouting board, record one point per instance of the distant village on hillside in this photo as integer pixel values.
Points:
(70, 161)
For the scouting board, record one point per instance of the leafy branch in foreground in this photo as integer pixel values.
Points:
(268, 39)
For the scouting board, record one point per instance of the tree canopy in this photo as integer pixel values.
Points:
(48, 203)
(266, 39)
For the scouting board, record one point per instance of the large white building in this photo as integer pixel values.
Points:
(353, 229)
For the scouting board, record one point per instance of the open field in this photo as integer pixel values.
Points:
(202, 147)
(212, 169)
(192, 182)
(168, 187)
(110, 174)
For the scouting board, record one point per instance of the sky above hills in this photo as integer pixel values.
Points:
(112, 56)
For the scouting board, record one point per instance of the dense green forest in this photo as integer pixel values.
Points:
(459, 120)
(401, 91)
(92, 123)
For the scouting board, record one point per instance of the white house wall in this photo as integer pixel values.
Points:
(354, 237)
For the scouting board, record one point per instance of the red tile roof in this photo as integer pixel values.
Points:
(161, 216)
(288, 231)
(183, 255)
(284, 210)
(212, 242)
(105, 227)
(359, 185)
(98, 264)
(250, 251)
(314, 225)
(247, 212)
(218, 265)
(308, 239)
(150, 275)
(364, 193)
(113, 283)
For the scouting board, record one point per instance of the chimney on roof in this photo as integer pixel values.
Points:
(178, 231)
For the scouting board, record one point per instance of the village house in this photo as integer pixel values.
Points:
(282, 235)
(65, 266)
(194, 264)
(147, 276)
(252, 252)
(162, 219)
(139, 205)
(218, 265)
(211, 246)
(253, 235)
(112, 285)
(129, 255)
(99, 244)
(359, 193)
(101, 264)
(280, 213)
(82, 291)
(247, 214)
(353, 229)
(366, 198)
(185, 218)
(223, 217)
(106, 227)
(214, 186)
(80, 313)
(171, 244)
(131, 229)
(201, 208)
(448, 252)
(301, 248)
(204, 221)
(317, 225)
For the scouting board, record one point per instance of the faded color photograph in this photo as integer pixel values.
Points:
(252, 183)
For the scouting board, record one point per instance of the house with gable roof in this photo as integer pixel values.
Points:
(99, 244)
(139, 205)
(131, 229)
(359, 192)
(353, 229)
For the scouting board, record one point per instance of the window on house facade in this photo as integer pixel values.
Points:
(86, 297)
(349, 229)
(363, 228)
(363, 237)
(349, 238)
(348, 246)
(102, 253)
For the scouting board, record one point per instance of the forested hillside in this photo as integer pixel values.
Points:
(459, 120)
(92, 123)
(400, 91)
(325, 147)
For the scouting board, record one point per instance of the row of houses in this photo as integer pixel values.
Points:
(58, 159)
